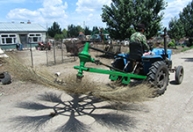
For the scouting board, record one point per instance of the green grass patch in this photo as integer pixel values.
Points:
(186, 48)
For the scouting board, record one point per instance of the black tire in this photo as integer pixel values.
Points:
(179, 74)
(5, 78)
(158, 76)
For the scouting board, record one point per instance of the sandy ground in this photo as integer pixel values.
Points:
(30, 107)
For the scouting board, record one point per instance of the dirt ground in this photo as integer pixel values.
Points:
(31, 107)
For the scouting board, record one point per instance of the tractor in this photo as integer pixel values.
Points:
(153, 67)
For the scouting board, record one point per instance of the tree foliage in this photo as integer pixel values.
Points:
(54, 29)
(73, 31)
(58, 37)
(87, 31)
(186, 17)
(176, 29)
(64, 32)
(183, 26)
(122, 15)
(95, 30)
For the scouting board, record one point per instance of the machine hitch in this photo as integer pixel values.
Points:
(115, 74)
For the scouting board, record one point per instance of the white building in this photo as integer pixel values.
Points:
(27, 34)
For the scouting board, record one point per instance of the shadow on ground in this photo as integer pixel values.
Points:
(173, 82)
(188, 59)
(74, 109)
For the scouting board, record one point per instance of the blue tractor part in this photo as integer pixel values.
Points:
(122, 60)
(155, 66)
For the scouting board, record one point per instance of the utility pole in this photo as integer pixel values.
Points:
(84, 27)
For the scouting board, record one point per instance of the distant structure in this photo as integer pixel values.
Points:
(26, 34)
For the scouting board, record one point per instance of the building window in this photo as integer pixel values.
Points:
(8, 38)
(34, 37)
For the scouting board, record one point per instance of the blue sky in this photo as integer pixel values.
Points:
(66, 12)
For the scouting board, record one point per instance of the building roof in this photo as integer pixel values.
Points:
(19, 27)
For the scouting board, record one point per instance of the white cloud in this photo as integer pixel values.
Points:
(56, 3)
(91, 5)
(90, 11)
(22, 13)
(173, 9)
(53, 9)
(50, 12)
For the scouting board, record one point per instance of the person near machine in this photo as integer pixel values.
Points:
(138, 47)
(139, 36)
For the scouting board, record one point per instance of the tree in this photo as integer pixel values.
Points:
(122, 16)
(73, 31)
(79, 28)
(183, 27)
(87, 31)
(64, 32)
(186, 17)
(95, 30)
(58, 37)
(54, 29)
(176, 29)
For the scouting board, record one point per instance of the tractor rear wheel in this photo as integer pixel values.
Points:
(158, 76)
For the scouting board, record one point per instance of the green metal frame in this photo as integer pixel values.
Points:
(85, 57)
